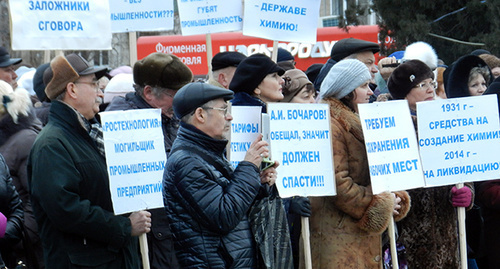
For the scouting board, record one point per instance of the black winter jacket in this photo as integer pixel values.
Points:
(207, 210)
(161, 250)
(11, 207)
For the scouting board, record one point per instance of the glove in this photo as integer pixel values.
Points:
(300, 206)
(461, 197)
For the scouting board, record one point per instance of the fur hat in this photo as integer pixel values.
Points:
(251, 71)
(195, 94)
(343, 78)
(406, 76)
(456, 77)
(295, 81)
(423, 52)
(5, 59)
(66, 69)
(348, 46)
(226, 59)
(491, 60)
(162, 70)
(16, 102)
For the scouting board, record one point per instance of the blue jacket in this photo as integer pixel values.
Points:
(207, 206)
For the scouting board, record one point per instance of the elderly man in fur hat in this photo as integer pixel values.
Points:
(69, 182)
(157, 79)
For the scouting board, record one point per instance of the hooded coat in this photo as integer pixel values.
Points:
(456, 77)
(346, 229)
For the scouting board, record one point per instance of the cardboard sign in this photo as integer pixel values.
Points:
(245, 127)
(141, 15)
(459, 139)
(391, 146)
(209, 16)
(60, 25)
(135, 157)
(283, 20)
(301, 142)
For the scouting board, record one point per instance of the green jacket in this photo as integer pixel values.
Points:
(71, 199)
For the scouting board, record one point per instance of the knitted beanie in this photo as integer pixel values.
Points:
(343, 78)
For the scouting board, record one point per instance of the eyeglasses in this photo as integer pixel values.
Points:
(91, 83)
(162, 90)
(426, 85)
(224, 110)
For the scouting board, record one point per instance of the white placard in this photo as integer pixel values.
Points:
(391, 146)
(210, 16)
(301, 142)
(141, 15)
(135, 157)
(283, 20)
(459, 139)
(245, 127)
(60, 25)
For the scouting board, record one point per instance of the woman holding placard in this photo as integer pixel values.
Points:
(346, 229)
(470, 76)
(429, 232)
(257, 81)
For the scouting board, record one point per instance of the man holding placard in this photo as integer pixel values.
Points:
(207, 202)
(69, 180)
(157, 78)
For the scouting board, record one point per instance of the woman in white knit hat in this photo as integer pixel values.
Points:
(346, 229)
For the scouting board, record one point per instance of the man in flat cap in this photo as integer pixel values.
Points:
(7, 72)
(69, 182)
(207, 201)
(350, 48)
(223, 66)
(157, 79)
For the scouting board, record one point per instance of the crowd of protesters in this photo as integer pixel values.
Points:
(56, 209)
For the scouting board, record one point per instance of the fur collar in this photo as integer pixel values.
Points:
(345, 116)
(8, 128)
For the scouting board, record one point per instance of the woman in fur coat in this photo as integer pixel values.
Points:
(19, 127)
(346, 229)
(429, 232)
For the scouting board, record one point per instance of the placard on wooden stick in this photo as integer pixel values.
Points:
(459, 139)
(301, 142)
(391, 146)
